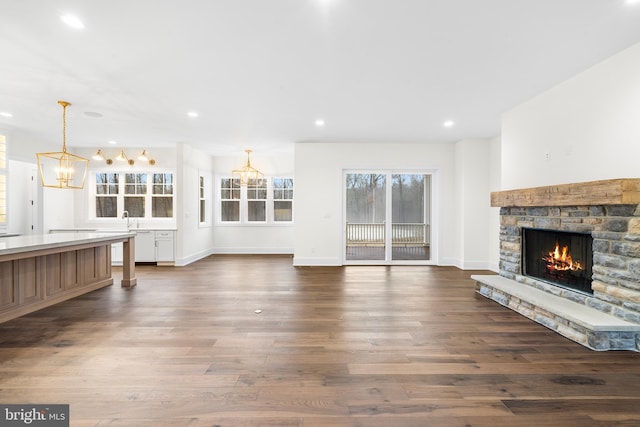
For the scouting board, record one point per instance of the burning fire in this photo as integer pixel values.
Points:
(559, 259)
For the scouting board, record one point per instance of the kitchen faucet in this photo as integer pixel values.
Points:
(125, 214)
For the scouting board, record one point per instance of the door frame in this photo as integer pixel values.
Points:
(434, 217)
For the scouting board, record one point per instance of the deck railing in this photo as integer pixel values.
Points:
(364, 234)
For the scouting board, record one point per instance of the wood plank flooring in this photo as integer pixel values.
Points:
(353, 346)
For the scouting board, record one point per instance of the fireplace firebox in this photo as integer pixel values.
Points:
(558, 257)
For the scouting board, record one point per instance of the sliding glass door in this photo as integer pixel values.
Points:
(366, 214)
(387, 217)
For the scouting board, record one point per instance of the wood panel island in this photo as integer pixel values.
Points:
(41, 270)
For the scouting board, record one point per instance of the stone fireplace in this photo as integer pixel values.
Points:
(595, 298)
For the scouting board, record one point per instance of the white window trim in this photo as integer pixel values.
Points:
(208, 205)
(244, 222)
(245, 188)
(120, 196)
(273, 200)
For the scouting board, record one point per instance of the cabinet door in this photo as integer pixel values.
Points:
(164, 246)
(145, 246)
(116, 254)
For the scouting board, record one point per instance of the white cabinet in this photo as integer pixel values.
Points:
(151, 245)
(164, 246)
(116, 254)
(145, 244)
(155, 246)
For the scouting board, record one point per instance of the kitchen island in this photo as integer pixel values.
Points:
(41, 270)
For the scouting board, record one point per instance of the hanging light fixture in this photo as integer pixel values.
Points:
(62, 169)
(247, 172)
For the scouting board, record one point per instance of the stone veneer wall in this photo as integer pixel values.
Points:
(616, 252)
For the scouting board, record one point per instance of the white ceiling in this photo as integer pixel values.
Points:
(260, 72)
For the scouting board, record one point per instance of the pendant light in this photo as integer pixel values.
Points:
(247, 172)
(62, 169)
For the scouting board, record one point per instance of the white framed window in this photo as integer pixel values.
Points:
(230, 200)
(261, 201)
(116, 192)
(204, 199)
(135, 194)
(162, 196)
(107, 189)
(257, 200)
(282, 199)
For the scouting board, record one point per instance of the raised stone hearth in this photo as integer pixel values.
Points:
(610, 211)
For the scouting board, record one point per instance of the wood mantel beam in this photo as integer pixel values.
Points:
(624, 191)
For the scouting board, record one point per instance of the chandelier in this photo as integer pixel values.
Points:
(247, 172)
(62, 169)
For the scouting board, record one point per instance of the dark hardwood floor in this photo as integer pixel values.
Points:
(354, 346)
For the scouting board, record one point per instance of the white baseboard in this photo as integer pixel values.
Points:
(466, 265)
(253, 251)
(319, 262)
(193, 258)
(450, 262)
(476, 265)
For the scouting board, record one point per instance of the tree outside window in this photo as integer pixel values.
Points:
(107, 188)
(282, 199)
(262, 200)
(257, 200)
(135, 190)
(116, 192)
(162, 198)
(230, 200)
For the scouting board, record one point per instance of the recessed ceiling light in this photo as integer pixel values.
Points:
(319, 122)
(448, 123)
(72, 21)
(92, 114)
(4, 114)
(192, 114)
(632, 1)
(112, 142)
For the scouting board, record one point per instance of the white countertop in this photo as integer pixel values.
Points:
(20, 244)
(113, 230)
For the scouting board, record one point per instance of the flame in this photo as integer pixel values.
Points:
(560, 259)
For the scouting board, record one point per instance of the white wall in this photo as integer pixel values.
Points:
(585, 129)
(254, 239)
(319, 196)
(23, 146)
(494, 216)
(58, 211)
(193, 240)
(473, 158)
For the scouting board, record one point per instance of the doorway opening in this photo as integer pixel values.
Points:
(387, 218)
